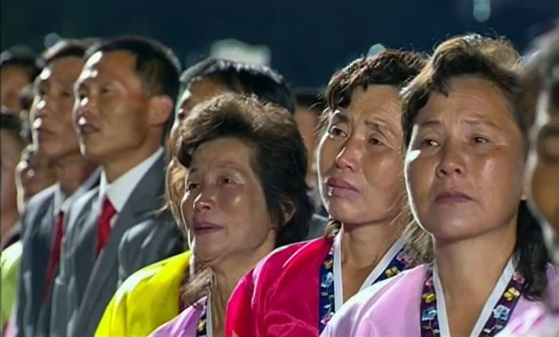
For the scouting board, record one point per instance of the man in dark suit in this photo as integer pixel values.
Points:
(42, 220)
(125, 100)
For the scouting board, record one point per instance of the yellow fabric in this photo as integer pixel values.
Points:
(146, 300)
(10, 261)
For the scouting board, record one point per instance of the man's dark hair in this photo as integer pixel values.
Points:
(259, 80)
(67, 48)
(157, 66)
(24, 60)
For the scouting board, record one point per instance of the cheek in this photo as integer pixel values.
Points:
(327, 152)
(419, 173)
(384, 173)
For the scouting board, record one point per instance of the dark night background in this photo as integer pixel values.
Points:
(308, 39)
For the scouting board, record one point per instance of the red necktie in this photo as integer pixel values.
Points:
(54, 259)
(104, 228)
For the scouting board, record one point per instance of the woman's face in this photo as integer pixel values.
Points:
(543, 162)
(223, 206)
(465, 162)
(360, 159)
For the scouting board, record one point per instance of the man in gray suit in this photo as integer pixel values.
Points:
(125, 99)
(43, 218)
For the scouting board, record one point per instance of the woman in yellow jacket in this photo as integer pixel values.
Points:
(146, 300)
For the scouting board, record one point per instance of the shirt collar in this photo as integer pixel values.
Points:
(63, 203)
(120, 190)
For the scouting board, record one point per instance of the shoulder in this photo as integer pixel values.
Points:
(184, 324)
(378, 301)
(142, 280)
(39, 200)
(284, 258)
(11, 257)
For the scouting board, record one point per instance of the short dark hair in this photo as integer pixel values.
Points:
(25, 60)
(542, 73)
(311, 99)
(242, 78)
(496, 60)
(280, 158)
(389, 67)
(157, 66)
(67, 48)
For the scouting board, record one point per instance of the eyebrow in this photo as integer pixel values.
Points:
(472, 122)
(379, 125)
(223, 165)
(340, 117)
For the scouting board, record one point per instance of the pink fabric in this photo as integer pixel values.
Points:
(184, 325)
(279, 297)
(391, 308)
(538, 321)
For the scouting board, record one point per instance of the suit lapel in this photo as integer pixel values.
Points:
(40, 242)
(85, 245)
(146, 198)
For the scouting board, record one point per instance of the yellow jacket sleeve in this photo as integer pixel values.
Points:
(146, 300)
(11, 258)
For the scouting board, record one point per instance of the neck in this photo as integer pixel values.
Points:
(227, 274)
(364, 246)
(72, 172)
(465, 270)
(123, 162)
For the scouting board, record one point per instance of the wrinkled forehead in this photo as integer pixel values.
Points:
(119, 64)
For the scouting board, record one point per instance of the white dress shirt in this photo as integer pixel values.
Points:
(119, 190)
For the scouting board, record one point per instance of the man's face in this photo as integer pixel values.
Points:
(112, 108)
(12, 81)
(51, 113)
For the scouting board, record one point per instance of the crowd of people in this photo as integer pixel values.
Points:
(417, 196)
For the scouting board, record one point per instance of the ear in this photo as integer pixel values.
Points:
(288, 210)
(160, 110)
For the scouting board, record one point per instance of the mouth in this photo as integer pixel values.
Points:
(452, 197)
(205, 227)
(338, 187)
(86, 128)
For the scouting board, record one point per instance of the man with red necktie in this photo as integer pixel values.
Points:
(125, 100)
(43, 218)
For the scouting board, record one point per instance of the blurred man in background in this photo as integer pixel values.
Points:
(43, 218)
(17, 70)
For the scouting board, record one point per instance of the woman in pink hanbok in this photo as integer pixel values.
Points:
(295, 290)
(465, 168)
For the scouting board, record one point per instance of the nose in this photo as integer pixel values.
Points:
(452, 161)
(41, 107)
(85, 106)
(204, 201)
(350, 155)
